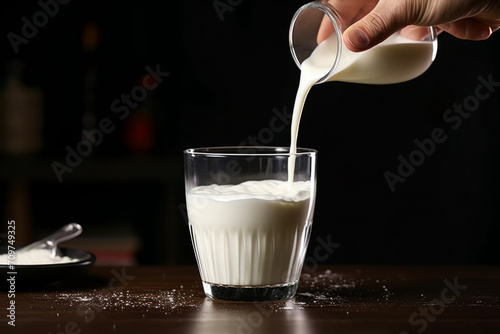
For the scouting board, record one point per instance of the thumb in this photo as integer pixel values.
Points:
(375, 27)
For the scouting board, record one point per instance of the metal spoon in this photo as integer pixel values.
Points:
(50, 242)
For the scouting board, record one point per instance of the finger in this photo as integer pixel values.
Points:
(468, 29)
(416, 33)
(375, 27)
(325, 29)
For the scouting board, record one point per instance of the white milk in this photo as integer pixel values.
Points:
(250, 234)
(395, 60)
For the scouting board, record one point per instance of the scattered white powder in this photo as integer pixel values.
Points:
(35, 256)
(147, 301)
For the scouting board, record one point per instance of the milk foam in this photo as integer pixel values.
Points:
(270, 190)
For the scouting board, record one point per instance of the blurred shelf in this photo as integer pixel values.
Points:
(167, 173)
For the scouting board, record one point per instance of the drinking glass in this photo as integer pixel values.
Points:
(249, 221)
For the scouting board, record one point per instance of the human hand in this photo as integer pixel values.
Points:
(465, 19)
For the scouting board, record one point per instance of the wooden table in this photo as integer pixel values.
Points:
(333, 299)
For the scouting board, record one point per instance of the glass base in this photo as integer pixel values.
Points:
(249, 293)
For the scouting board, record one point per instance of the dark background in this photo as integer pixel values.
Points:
(226, 75)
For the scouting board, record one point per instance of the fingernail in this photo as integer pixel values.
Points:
(357, 38)
(486, 33)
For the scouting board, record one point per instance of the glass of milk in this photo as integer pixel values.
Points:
(250, 219)
(315, 39)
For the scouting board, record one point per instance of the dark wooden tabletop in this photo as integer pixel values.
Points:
(332, 299)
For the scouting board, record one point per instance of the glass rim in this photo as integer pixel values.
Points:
(331, 13)
(245, 151)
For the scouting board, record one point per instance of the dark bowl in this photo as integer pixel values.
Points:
(27, 276)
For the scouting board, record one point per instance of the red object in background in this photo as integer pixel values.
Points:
(139, 132)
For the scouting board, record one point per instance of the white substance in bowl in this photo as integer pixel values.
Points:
(35, 257)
